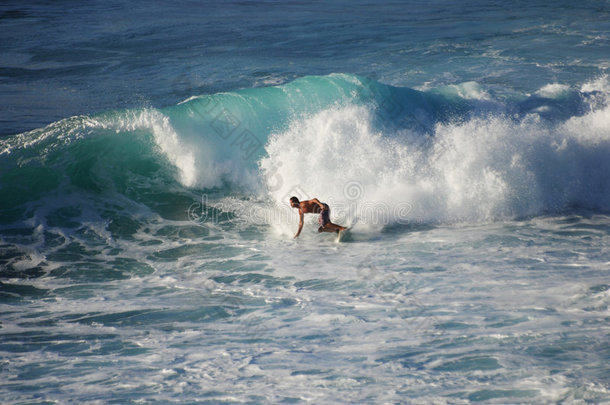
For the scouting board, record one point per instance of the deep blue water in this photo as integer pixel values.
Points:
(69, 58)
(148, 151)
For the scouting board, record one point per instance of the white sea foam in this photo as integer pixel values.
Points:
(553, 90)
(485, 168)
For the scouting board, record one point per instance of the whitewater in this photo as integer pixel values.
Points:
(148, 153)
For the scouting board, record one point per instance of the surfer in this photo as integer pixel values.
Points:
(314, 206)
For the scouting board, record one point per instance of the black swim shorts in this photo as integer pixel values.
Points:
(324, 216)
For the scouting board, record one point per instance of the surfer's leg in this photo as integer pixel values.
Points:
(330, 227)
(326, 225)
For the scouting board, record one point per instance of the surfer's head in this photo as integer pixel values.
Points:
(294, 202)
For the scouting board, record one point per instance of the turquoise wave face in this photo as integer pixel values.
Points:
(210, 141)
(227, 143)
(260, 112)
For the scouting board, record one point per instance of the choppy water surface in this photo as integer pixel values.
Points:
(146, 241)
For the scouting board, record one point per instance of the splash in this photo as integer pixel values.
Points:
(483, 166)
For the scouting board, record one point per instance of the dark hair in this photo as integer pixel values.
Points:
(294, 200)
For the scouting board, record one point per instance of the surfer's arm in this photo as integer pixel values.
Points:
(300, 224)
(315, 200)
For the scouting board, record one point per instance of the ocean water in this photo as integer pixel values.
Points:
(148, 151)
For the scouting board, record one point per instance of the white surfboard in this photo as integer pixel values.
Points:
(342, 236)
